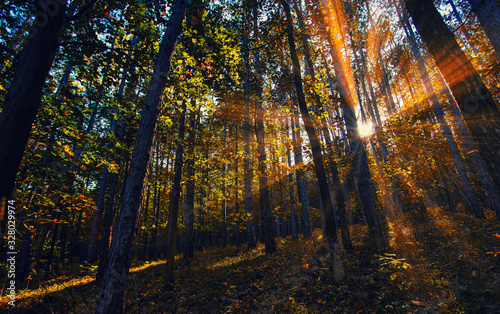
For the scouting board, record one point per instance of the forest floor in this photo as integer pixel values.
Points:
(437, 262)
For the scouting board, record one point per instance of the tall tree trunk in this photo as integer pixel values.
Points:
(23, 268)
(173, 210)
(105, 174)
(114, 283)
(337, 186)
(476, 104)
(247, 180)
(224, 209)
(263, 176)
(330, 231)
(145, 233)
(190, 185)
(293, 219)
(24, 95)
(301, 182)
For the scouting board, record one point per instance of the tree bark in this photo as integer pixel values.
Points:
(112, 291)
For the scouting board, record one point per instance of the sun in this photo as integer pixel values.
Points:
(365, 129)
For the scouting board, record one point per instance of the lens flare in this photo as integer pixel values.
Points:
(365, 129)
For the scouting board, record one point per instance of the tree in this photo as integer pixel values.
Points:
(114, 283)
(24, 96)
(330, 230)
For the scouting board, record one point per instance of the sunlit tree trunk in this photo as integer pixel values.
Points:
(330, 231)
(112, 291)
(302, 190)
(476, 104)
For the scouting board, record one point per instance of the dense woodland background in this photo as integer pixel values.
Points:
(266, 156)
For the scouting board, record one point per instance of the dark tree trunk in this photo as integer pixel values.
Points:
(337, 187)
(50, 255)
(190, 186)
(330, 231)
(263, 176)
(247, 180)
(478, 108)
(112, 291)
(23, 267)
(24, 95)
(173, 211)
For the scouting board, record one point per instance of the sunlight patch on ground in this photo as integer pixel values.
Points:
(228, 261)
(146, 265)
(48, 289)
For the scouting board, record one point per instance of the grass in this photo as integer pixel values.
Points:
(436, 262)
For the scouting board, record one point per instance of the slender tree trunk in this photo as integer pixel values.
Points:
(173, 211)
(301, 182)
(236, 186)
(263, 176)
(105, 174)
(337, 187)
(293, 219)
(247, 180)
(330, 231)
(224, 208)
(50, 255)
(190, 185)
(23, 268)
(115, 280)
(145, 233)
(476, 104)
